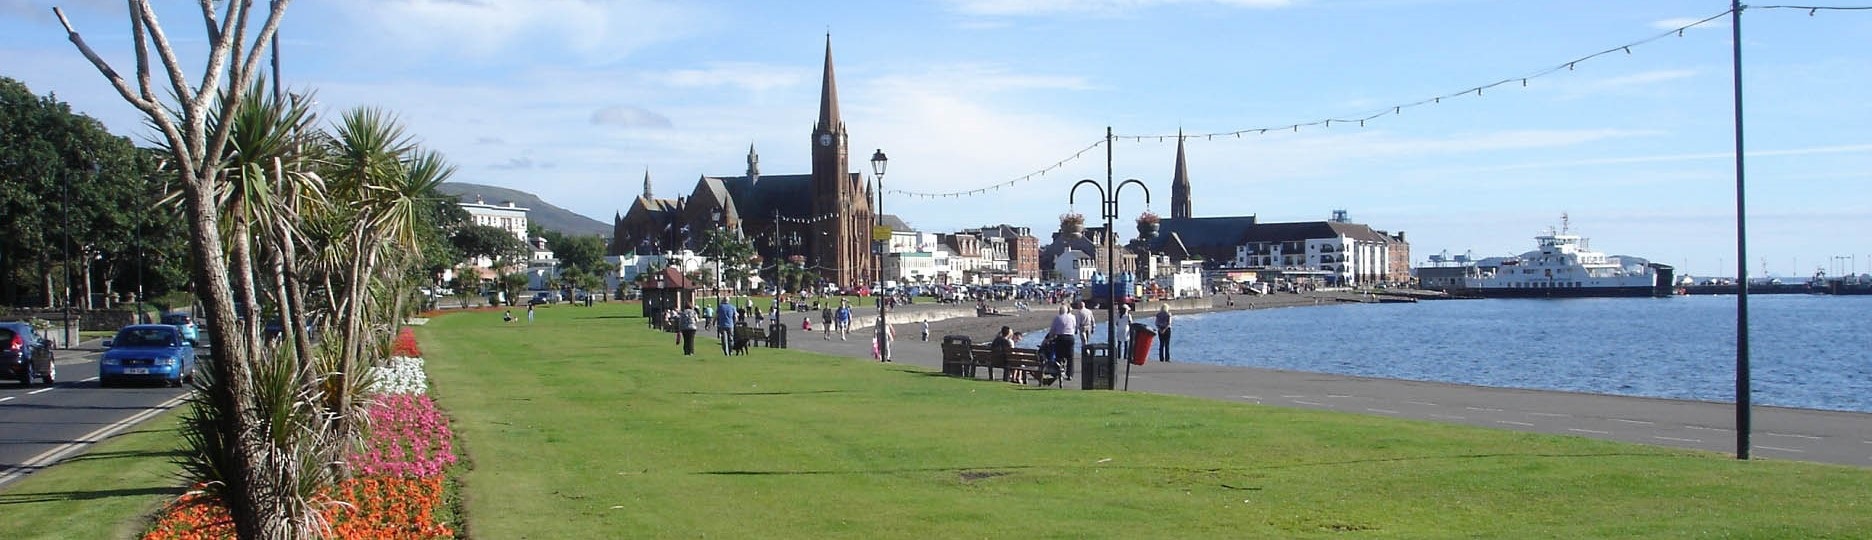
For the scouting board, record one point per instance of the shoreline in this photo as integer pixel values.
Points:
(1820, 435)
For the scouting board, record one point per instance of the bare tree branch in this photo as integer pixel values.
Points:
(178, 81)
(142, 54)
(151, 107)
(208, 20)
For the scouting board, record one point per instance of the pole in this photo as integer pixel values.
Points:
(883, 330)
(1742, 329)
(65, 230)
(1111, 313)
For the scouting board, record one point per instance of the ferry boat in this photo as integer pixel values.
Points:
(1562, 266)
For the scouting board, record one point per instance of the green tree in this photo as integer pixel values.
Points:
(732, 255)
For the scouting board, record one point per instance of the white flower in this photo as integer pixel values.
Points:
(404, 375)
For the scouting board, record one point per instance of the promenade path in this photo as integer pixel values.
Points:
(1779, 433)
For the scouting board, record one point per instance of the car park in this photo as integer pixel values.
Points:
(24, 356)
(147, 352)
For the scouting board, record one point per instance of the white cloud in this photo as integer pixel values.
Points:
(1682, 22)
(482, 29)
(746, 75)
(626, 116)
(1088, 7)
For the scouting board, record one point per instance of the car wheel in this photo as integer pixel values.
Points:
(188, 379)
(103, 382)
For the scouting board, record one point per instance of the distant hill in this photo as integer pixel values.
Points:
(538, 211)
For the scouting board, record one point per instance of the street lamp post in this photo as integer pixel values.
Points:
(1108, 207)
(878, 162)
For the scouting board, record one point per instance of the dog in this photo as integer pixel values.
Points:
(741, 345)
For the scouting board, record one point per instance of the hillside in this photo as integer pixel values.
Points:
(539, 212)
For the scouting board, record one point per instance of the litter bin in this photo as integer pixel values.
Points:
(776, 335)
(1096, 367)
(1141, 336)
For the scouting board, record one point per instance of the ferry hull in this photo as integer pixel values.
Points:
(1581, 292)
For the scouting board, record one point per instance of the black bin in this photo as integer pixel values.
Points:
(1097, 367)
(776, 335)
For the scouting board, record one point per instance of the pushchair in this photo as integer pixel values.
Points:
(1049, 364)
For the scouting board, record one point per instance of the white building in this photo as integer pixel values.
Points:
(1348, 253)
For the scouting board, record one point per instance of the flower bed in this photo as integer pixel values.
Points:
(397, 492)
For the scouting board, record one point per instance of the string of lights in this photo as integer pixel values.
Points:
(807, 220)
(1474, 91)
(1010, 183)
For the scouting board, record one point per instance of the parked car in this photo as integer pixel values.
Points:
(24, 356)
(184, 322)
(147, 352)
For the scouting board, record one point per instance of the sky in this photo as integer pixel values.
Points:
(575, 100)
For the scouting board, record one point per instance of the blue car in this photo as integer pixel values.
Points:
(148, 352)
(182, 321)
(23, 356)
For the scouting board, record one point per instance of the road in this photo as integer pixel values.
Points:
(40, 425)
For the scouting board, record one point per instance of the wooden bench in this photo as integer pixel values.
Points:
(1010, 361)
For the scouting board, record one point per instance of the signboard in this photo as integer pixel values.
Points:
(881, 233)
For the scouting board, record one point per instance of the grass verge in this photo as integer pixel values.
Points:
(586, 424)
(108, 492)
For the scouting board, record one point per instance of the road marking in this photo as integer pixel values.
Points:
(1424, 403)
(1592, 431)
(1448, 417)
(1483, 409)
(1514, 423)
(10, 398)
(1311, 403)
(1293, 397)
(89, 380)
(39, 391)
(1777, 448)
(1808, 437)
(1639, 422)
(49, 457)
(1550, 415)
(1338, 395)
(1383, 411)
(1706, 428)
(1256, 398)
(1676, 439)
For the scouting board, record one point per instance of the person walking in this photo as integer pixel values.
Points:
(1060, 335)
(1163, 333)
(825, 321)
(926, 329)
(725, 315)
(1122, 341)
(844, 320)
(529, 314)
(687, 322)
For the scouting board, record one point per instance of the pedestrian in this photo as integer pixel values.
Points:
(1163, 333)
(825, 321)
(529, 314)
(1084, 315)
(1003, 342)
(1123, 339)
(1065, 326)
(507, 316)
(925, 329)
(844, 320)
(687, 321)
(725, 315)
(890, 335)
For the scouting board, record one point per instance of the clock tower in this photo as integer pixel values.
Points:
(841, 247)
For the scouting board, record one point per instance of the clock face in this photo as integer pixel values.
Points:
(825, 139)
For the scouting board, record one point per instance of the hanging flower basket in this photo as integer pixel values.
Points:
(1072, 222)
(1149, 217)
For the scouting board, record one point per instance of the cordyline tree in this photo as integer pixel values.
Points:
(261, 493)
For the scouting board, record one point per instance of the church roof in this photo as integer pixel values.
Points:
(828, 95)
(897, 224)
(1199, 233)
(790, 194)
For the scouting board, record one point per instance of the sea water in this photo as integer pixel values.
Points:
(1806, 351)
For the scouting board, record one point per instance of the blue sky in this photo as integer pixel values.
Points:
(575, 99)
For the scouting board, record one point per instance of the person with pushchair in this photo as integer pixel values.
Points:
(1059, 339)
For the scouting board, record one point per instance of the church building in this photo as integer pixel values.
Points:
(823, 218)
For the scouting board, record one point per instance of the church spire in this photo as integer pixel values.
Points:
(753, 164)
(1180, 184)
(647, 193)
(828, 96)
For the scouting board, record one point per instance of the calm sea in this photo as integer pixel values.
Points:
(1806, 351)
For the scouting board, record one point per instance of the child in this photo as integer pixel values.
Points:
(507, 316)
(805, 323)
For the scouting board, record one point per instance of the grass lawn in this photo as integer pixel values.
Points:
(108, 492)
(585, 425)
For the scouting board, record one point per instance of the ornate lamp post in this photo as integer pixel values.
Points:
(878, 162)
(1108, 206)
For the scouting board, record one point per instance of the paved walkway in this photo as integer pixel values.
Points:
(1779, 433)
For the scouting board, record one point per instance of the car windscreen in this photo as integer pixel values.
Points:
(175, 319)
(145, 337)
